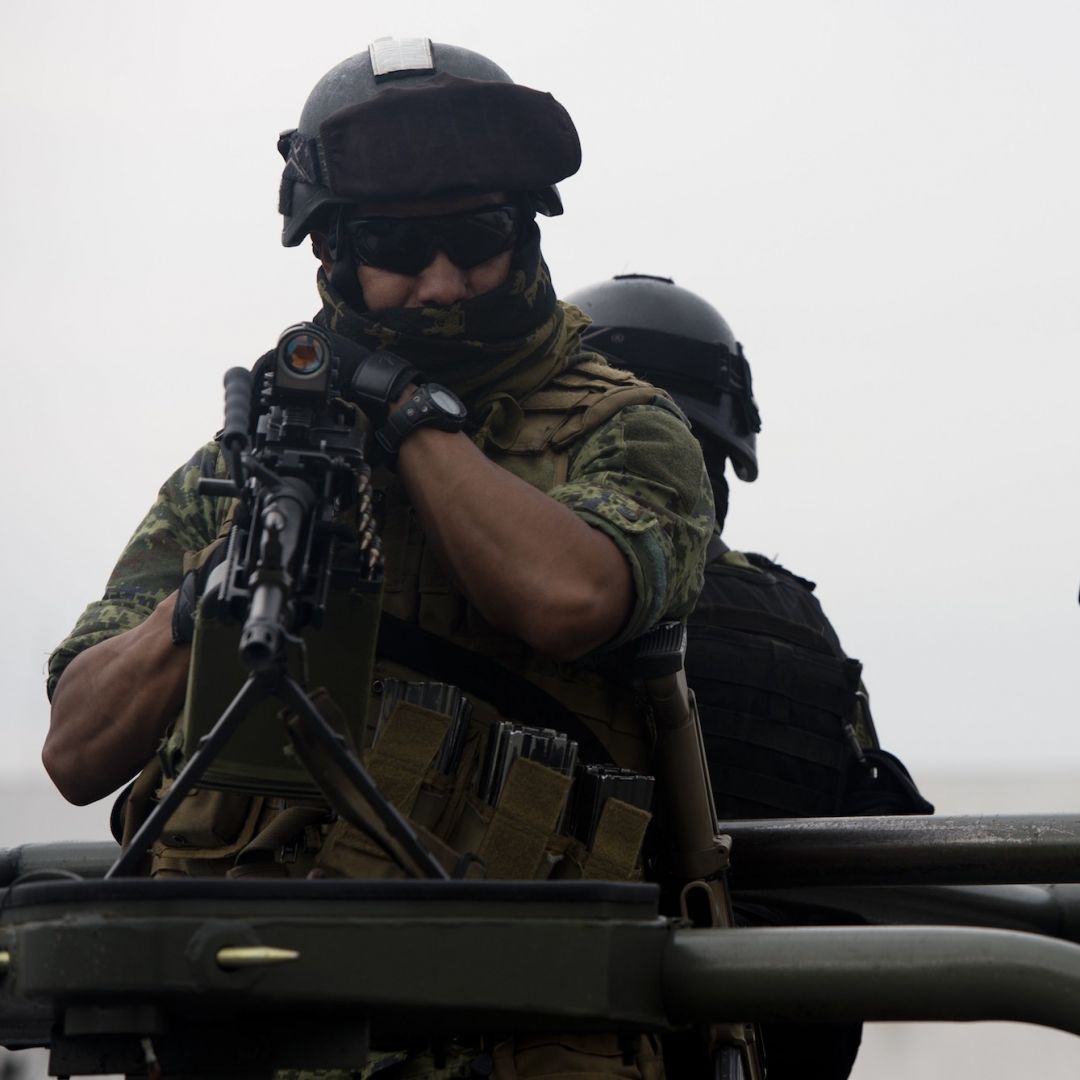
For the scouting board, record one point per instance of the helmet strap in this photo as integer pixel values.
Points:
(343, 272)
(716, 460)
(721, 492)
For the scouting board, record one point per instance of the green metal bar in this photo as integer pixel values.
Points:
(872, 973)
(791, 853)
(88, 859)
(799, 852)
(1040, 909)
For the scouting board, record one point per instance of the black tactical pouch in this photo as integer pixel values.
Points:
(773, 718)
(776, 694)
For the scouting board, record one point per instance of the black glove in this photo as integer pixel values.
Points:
(191, 589)
(378, 381)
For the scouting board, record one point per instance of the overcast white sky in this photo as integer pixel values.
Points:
(880, 197)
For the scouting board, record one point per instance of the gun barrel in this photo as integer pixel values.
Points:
(284, 516)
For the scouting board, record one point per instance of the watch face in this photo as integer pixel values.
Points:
(446, 401)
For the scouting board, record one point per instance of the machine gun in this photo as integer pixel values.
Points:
(301, 557)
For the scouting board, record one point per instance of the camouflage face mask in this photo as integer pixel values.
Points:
(507, 340)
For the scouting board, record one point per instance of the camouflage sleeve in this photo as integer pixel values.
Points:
(150, 567)
(640, 479)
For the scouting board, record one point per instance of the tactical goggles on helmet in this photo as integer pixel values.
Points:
(409, 244)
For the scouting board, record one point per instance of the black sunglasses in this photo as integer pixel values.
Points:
(407, 245)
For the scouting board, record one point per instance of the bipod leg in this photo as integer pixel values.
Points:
(209, 747)
(308, 726)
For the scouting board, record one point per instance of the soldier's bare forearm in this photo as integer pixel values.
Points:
(111, 707)
(531, 566)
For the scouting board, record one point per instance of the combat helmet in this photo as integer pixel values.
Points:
(674, 338)
(413, 119)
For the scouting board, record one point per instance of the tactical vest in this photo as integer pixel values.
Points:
(535, 440)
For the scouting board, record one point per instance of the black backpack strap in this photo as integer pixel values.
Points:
(774, 626)
(514, 696)
(769, 566)
(760, 622)
(715, 550)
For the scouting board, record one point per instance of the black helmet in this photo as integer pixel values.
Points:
(412, 119)
(672, 337)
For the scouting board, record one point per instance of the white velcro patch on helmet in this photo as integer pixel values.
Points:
(390, 56)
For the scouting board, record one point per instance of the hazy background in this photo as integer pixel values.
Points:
(881, 198)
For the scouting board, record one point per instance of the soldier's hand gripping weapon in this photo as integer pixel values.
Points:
(301, 578)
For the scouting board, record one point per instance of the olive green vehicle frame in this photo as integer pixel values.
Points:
(240, 977)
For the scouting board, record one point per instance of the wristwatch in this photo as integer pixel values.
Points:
(431, 406)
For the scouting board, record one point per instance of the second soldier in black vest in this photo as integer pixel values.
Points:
(784, 714)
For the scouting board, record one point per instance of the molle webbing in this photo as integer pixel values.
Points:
(574, 403)
(772, 721)
(761, 622)
(774, 692)
(535, 436)
(782, 670)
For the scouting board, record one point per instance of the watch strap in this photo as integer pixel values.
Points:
(418, 411)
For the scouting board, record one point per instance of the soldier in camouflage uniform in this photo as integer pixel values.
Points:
(568, 517)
